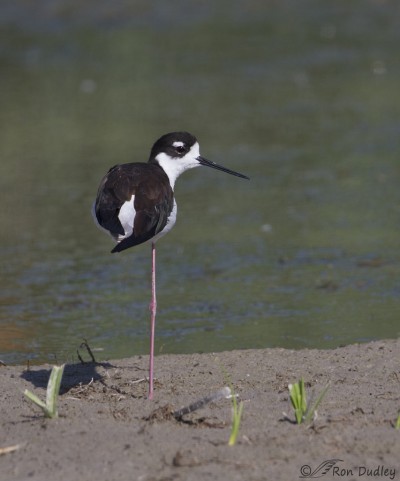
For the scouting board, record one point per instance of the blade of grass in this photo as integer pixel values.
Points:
(311, 411)
(236, 418)
(36, 400)
(49, 408)
(303, 396)
(53, 389)
(236, 410)
(298, 399)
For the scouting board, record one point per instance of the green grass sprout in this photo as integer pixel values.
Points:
(237, 410)
(397, 425)
(298, 397)
(49, 408)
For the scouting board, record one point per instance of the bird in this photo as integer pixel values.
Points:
(135, 203)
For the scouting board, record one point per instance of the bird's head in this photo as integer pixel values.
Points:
(180, 151)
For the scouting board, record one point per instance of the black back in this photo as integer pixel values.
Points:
(154, 200)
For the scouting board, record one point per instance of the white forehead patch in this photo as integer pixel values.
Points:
(178, 143)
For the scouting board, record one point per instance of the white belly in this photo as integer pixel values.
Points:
(127, 216)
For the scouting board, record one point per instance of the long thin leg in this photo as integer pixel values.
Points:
(153, 310)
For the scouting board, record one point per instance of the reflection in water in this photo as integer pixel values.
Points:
(15, 338)
(304, 100)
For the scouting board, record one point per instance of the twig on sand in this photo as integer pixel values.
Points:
(86, 345)
(9, 449)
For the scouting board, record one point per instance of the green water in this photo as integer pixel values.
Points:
(302, 96)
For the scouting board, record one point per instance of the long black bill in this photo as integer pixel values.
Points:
(213, 165)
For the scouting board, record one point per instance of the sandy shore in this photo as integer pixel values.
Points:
(108, 430)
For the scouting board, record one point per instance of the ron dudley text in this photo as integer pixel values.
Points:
(366, 472)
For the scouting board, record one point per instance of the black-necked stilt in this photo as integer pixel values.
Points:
(135, 202)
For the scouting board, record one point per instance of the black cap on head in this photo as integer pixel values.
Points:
(169, 142)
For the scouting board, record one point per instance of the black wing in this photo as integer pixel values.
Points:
(153, 201)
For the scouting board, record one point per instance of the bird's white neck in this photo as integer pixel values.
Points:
(175, 166)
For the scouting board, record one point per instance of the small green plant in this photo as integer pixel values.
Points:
(397, 425)
(53, 388)
(237, 410)
(298, 398)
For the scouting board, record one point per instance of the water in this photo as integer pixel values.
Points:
(300, 96)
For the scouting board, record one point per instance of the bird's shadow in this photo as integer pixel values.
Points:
(74, 375)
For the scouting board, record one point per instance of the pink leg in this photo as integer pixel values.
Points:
(153, 309)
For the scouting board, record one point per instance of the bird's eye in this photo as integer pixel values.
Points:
(180, 149)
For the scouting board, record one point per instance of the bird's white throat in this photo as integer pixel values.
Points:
(175, 166)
